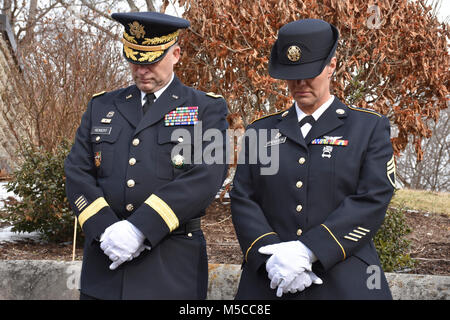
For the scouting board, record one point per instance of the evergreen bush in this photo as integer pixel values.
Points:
(391, 244)
(41, 204)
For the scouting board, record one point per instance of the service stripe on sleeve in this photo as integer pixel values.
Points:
(164, 211)
(91, 210)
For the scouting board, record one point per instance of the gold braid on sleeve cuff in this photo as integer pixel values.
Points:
(92, 210)
(164, 211)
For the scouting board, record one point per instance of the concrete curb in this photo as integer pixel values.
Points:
(58, 280)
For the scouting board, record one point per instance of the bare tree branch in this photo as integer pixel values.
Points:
(90, 21)
(150, 5)
(133, 6)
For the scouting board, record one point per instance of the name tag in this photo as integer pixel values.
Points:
(275, 142)
(101, 130)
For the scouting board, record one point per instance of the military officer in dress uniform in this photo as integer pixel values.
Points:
(306, 232)
(138, 203)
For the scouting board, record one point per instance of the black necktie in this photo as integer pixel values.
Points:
(308, 119)
(149, 99)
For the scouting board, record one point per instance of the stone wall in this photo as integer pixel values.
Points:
(57, 280)
(8, 63)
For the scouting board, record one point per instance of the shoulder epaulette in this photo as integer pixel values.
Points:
(268, 115)
(365, 110)
(98, 94)
(212, 94)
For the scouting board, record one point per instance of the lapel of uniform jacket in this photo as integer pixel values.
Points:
(129, 105)
(171, 98)
(331, 119)
(289, 127)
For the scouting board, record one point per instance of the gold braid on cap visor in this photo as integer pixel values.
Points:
(150, 52)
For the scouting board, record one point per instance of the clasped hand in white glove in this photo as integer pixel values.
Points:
(302, 281)
(290, 266)
(122, 242)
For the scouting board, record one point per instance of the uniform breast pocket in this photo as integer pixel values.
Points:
(104, 142)
(323, 158)
(174, 154)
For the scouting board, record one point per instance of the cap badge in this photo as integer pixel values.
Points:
(137, 29)
(294, 53)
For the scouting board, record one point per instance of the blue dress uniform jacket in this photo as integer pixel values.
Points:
(120, 167)
(331, 192)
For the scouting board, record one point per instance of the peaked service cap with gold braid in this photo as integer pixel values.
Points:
(148, 35)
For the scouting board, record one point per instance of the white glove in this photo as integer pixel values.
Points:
(122, 242)
(302, 281)
(291, 283)
(289, 257)
(288, 260)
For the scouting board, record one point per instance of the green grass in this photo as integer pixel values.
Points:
(421, 200)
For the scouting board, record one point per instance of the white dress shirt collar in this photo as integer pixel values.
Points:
(159, 92)
(316, 114)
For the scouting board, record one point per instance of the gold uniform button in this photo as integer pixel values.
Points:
(189, 235)
(131, 183)
(97, 139)
(299, 232)
(301, 160)
(299, 208)
(180, 139)
(129, 207)
(299, 184)
(132, 161)
(136, 142)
